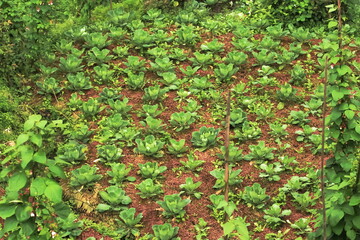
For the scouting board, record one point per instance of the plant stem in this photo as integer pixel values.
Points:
(227, 133)
(322, 175)
(339, 23)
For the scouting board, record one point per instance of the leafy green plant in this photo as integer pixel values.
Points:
(85, 176)
(121, 107)
(163, 64)
(201, 229)
(236, 58)
(300, 34)
(153, 125)
(298, 117)
(205, 138)
(109, 94)
(268, 43)
(243, 44)
(248, 131)
(186, 35)
(71, 152)
(214, 46)
(119, 173)
(236, 227)
(121, 51)
(103, 74)
(49, 86)
(220, 206)
(98, 56)
(148, 188)
(69, 226)
(274, 214)
(260, 152)
(235, 154)
(286, 57)
(114, 122)
(80, 133)
(134, 63)
(287, 93)
(295, 183)
(219, 174)
(151, 110)
(178, 54)
(135, 81)
(177, 148)
(142, 38)
(115, 198)
(149, 146)
(298, 75)
(264, 57)
(305, 133)
(255, 196)
(192, 106)
(154, 93)
(181, 120)
(91, 108)
(304, 201)
(272, 171)
(78, 82)
(202, 59)
(96, 39)
(314, 106)
(109, 153)
(190, 188)
(71, 64)
(278, 129)
(170, 80)
(192, 163)
(190, 71)
(117, 34)
(276, 31)
(237, 117)
(165, 232)
(301, 226)
(31, 193)
(224, 72)
(173, 206)
(151, 170)
(129, 224)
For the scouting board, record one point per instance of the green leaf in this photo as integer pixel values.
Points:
(228, 228)
(53, 192)
(343, 69)
(10, 224)
(7, 210)
(354, 200)
(17, 182)
(22, 138)
(26, 155)
(103, 207)
(40, 157)
(29, 124)
(56, 170)
(37, 187)
(23, 212)
(357, 128)
(356, 221)
(337, 95)
(36, 139)
(332, 24)
(28, 227)
(349, 114)
(62, 210)
(351, 234)
(335, 216)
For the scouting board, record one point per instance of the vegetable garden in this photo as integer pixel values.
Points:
(133, 136)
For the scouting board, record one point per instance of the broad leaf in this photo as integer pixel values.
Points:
(17, 182)
(7, 210)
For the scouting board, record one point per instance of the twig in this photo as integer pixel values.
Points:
(322, 175)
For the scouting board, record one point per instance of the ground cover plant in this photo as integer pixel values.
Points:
(129, 141)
